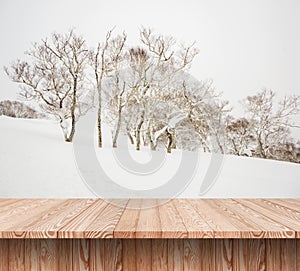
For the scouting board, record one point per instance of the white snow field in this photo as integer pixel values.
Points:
(36, 162)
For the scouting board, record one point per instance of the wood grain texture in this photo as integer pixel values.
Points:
(172, 225)
(196, 226)
(150, 254)
(149, 224)
(4, 254)
(144, 254)
(181, 234)
(224, 254)
(298, 254)
(149, 218)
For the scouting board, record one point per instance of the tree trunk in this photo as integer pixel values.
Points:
(138, 132)
(261, 148)
(118, 128)
(152, 145)
(63, 128)
(99, 127)
(130, 137)
(73, 107)
(170, 143)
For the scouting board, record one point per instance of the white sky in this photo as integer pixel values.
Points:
(244, 45)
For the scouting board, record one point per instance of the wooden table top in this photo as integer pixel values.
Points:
(178, 218)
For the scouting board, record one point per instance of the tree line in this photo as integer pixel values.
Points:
(146, 92)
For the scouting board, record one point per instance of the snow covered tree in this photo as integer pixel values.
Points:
(18, 109)
(151, 69)
(105, 61)
(55, 77)
(270, 123)
(240, 136)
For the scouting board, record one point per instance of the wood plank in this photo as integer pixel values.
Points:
(10, 205)
(224, 254)
(149, 225)
(143, 254)
(273, 258)
(16, 250)
(298, 253)
(196, 226)
(256, 254)
(150, 254)
(291, 217)
(100, 226)
(171, 223)
(126, 227)
(97, 256)
(292, 203)
(80, 254)
(50, 222)
(176, 254)
(207, 256)
(65, 260)
(129, 255)
(32, 257)
(288, 252)
(178, 218)
(48, 250)
(240, 252)
(171, 263)
(75, 228)
(246, 227)
(289, 225)
(270, 228)
(282, 208)
(4, 256)
(159, 254)
(192, 254)
(113, 254)
(13, 219)
(222, 228)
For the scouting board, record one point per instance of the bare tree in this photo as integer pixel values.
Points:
(153, 68)
(101, 66)
(240, 137)
(55, 77)
(269, 122)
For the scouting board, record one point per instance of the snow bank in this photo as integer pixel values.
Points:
(36, 162)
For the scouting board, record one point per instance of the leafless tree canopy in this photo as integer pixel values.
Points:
(55, 76)
(146, 93)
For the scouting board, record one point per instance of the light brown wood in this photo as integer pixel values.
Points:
(224, 254)
(149, 224)
(192, 254)
(222, 228)
(196, 226)
(172, 225)
(178, 218)
(126, 227)
(256, 254)
(232, 234)
(159, 259)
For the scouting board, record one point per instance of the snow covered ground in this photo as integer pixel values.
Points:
(36, 162)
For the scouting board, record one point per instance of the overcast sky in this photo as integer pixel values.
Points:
(244, 45)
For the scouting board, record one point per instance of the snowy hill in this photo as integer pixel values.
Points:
(36, 162)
